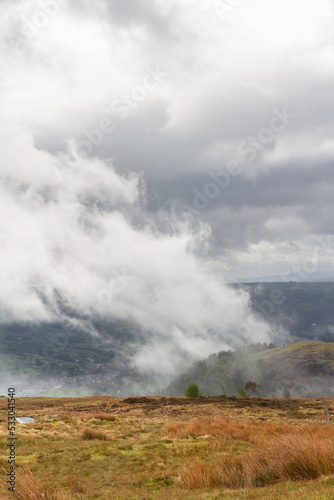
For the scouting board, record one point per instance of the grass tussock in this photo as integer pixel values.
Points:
(30, 487)
(104, 416)
(88, 433)
(297, 457)
(200, 476)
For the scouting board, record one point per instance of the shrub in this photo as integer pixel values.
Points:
(223, 389)
(192, 391)
(242, 393)
(88, 433)
(286, 393)
(252, 386)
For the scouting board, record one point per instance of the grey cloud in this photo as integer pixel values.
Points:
(127, 13)
(224, 82)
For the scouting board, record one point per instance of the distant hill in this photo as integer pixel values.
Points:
(305, 310)
(305, 368)
(309, 358)
(57, 358)
(313, 277)
(45, 355)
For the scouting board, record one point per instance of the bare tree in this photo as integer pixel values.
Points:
(252, 386)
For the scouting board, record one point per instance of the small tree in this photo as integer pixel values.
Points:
(192, 391)
(252, 386)
(242, 393)
(285, 391)
(223, 389)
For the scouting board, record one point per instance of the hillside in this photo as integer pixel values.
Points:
(310, 358)
(69, 360)
(305, 368)
(60, 360)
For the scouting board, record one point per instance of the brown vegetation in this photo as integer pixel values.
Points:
(104, 416)
(153, 441)
(254, 432)
(88, 433)
(200, 475)
(299, 456)
(75, 486)
(30, 487)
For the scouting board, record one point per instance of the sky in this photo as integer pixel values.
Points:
(152, 150)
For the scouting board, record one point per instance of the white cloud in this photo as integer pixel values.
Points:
(75, 238)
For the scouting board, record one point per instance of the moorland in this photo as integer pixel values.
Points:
(171, 448)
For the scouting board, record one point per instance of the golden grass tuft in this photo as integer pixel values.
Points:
(30, 487)
(291, 457)
(200, 476)
(88, 433)
(300, 457)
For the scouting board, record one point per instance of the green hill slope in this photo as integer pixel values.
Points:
(310, 358)
(306, 368)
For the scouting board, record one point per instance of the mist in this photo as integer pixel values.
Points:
(113, 120)
(73, 233)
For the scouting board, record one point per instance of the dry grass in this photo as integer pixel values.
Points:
(104, 416)
(66, 417)
(291, 457)
(30, 487)
(75, 486)
(254, 432)
(257, 433)
(200, 475)
(230, 441)
(296, 457)
(88, 433)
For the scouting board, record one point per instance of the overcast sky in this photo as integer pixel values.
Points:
(165, 138)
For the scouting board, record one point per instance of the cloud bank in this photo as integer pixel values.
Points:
(73, 233)
(112, 115)
(225, 68)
